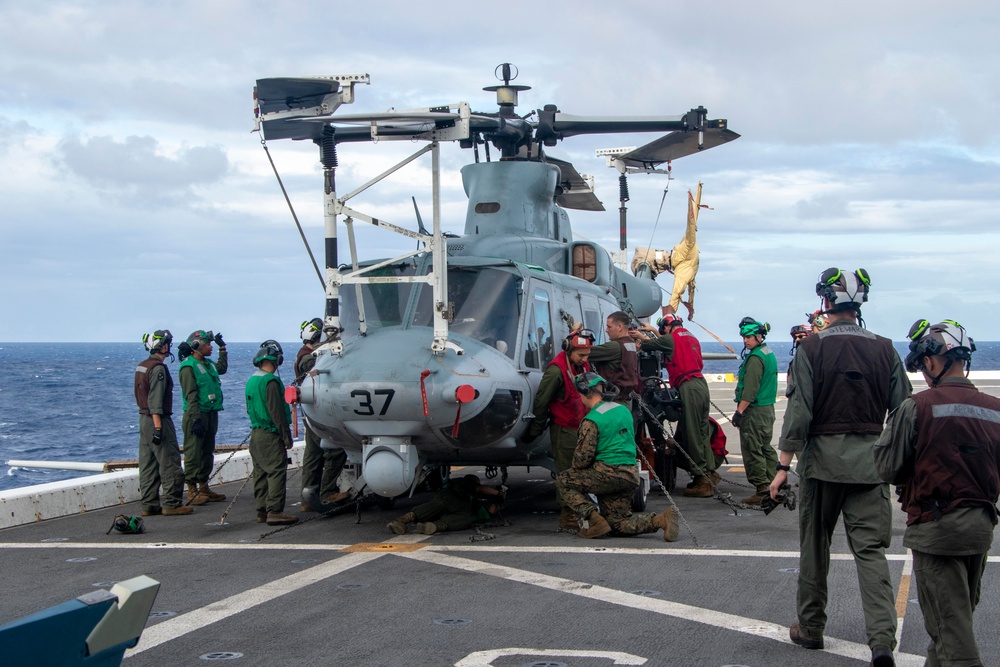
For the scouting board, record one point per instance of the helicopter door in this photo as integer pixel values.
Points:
(592, 314)
(538, 347)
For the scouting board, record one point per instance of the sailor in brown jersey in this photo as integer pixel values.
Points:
(320, 467)
(159, 454)
(942, 448)
(843, 381)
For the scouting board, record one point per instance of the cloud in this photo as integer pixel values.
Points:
(138, 163)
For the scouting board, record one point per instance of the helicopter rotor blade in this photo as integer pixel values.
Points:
(674, 146)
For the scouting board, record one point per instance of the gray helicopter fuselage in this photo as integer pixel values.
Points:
(395, 406)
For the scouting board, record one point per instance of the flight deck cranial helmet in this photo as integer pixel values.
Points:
(751, 327)
(947, 338)
(582, 339)
(586, 384)
(844, 291)
(311, 330)
(199, 338)
(270, 350)
(158, 341)
(667, 321)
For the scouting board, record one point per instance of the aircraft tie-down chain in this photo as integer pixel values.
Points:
(789, 496)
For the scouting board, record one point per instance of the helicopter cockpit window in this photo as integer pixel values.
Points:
(488, 207)
(486, 306)
(384, 303)
(538, 346)
(585, 262)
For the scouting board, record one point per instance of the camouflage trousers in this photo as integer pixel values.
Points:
(614, 487)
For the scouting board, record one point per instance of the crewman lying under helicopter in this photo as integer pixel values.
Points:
(604, 465)
(461, 503)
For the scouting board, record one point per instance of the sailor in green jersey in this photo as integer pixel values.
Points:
(756, 393)
(270, 419)
(201, 390)
(604, 465)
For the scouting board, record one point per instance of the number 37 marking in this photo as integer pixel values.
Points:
(365, 407)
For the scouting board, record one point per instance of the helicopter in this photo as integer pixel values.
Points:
(431, 359)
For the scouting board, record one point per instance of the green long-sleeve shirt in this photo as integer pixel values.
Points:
(550, 388)
(753, 374)
(157, 389)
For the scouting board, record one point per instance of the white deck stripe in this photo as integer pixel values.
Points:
(685, 612)
(223, 609)
(443, 548)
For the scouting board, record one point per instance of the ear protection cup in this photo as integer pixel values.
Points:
(584, 338)
(269, 349)
(198, 337)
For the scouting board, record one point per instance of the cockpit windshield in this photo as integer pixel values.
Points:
(486, 303)
(385, 303)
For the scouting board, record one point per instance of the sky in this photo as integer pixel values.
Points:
(135, 196)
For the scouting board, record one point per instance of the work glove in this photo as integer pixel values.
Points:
(198, 428)
(737, 419)
(157, 436)
(219, 341)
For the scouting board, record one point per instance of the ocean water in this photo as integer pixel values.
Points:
(74, 401)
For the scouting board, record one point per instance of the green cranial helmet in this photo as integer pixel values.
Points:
(270, 350)
(584, 382)
(158, 340)
(751, 327)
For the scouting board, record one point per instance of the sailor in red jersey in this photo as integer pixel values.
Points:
(558, 404)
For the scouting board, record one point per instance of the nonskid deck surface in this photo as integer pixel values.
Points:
(333, 591)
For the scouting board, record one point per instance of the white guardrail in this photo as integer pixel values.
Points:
(29, 504)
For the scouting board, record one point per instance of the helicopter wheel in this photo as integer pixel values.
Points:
(639, 498)
(666, 470)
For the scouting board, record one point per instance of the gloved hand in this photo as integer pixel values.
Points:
(737, 419)
(528, 438)
(219, 341)
(157, 436)
(198, 428)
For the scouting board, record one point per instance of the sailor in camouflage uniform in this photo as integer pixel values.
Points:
(604, 465)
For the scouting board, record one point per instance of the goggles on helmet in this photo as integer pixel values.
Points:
(582, 339)
(947, 337)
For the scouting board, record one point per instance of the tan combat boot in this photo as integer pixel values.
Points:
(428, 528)
(669, 522)
(177, 511)
(763, 490)
(701, 488)
(567, 520)
(210, 494)
(595, 526)
(398, 525)
(336, 497)
(195, 496)
(261, 516)
(281, 519)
